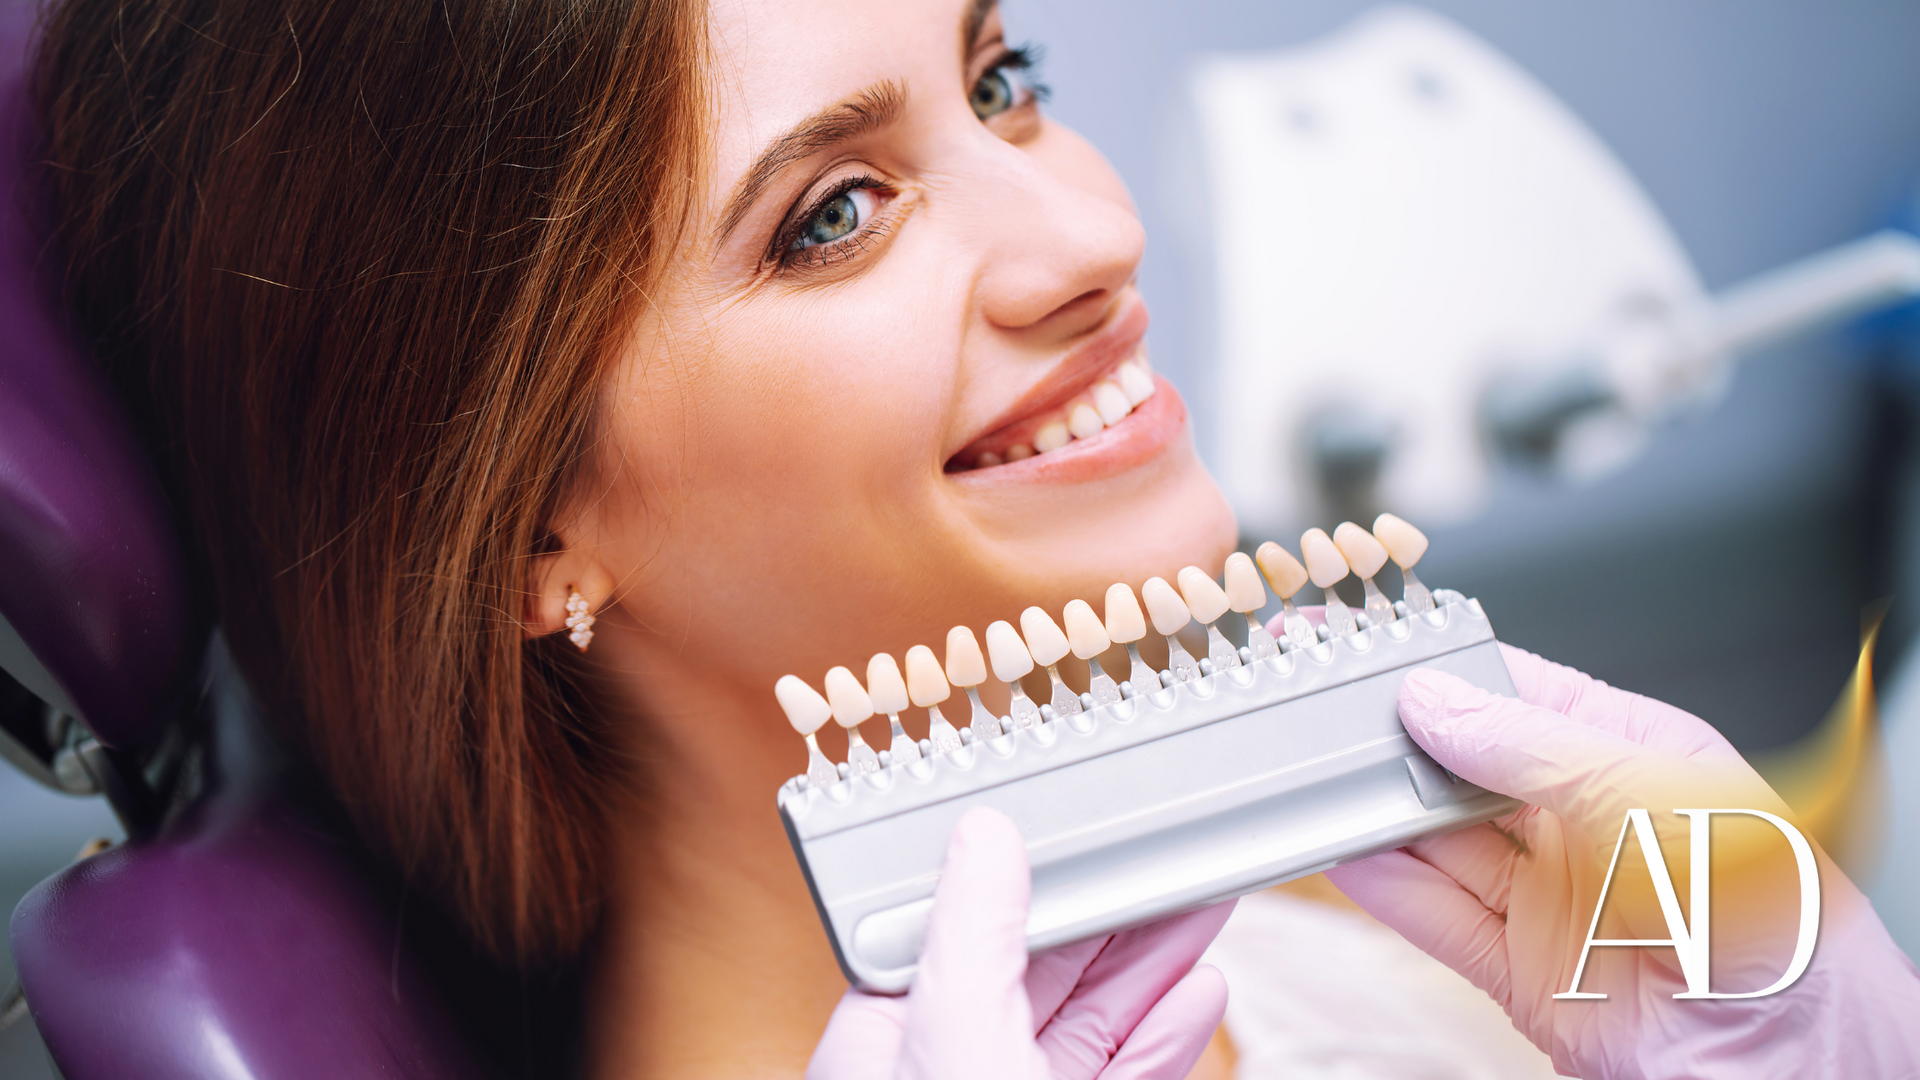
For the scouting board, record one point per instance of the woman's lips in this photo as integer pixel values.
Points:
(1141, 435)
(1097, 404)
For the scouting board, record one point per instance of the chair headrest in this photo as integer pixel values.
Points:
(93, 611)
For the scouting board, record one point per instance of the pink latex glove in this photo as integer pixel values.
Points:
(1508, 903)
(1129, 1006)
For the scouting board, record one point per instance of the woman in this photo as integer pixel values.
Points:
(737, 325)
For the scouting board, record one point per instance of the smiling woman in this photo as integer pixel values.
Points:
(764, 333)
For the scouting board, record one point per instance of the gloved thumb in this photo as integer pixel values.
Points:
(1587, 775)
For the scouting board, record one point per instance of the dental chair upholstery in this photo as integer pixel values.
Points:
(242, 934)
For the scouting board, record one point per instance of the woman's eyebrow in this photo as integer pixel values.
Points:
(976, 17)
(874, 107)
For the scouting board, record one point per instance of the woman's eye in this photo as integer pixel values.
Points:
(993, 94)
(839, 218)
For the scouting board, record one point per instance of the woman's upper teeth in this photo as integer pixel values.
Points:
(1109, 402)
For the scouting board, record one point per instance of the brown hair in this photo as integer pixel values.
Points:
(362, 267)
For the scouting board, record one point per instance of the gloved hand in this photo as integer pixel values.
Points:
(1508, 903)
(1126, 1006)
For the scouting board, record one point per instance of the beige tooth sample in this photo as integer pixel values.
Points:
(1111, 402)
(1207, 601)
(1246, 595)
(1084, 422)
(1326, 566)
(1048, 647)
(851, 705)
(967, 669)
(1169, 614)
(1089, 639)
(1406, 544)
(1136, 382)
(889, 694)
(1287, 577)
(927, 687)
(1052, 436)
(806, 710)
(1126, 625)
(1365, 556)
(1011, 660)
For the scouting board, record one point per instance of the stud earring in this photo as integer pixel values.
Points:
(579, 621)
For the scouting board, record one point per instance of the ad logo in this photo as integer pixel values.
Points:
(1690, 937)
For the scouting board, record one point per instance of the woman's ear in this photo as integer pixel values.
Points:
(557, 576)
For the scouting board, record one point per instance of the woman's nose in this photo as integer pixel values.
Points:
(1066, 242)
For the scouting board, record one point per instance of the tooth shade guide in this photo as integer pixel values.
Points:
(1365, 555)
(1123, 619)
(1283, 572)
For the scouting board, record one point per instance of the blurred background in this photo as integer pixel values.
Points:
(1560, 194)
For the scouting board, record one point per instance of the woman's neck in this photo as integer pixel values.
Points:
(712, 961)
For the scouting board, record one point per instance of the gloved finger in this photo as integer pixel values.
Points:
(1175, 1032)
(863, 1039)
(974, 960)
(1053, 974)
(1122, 985)
(1581, 697)
(1587, 775)
(1481, 858)
(1432, 911)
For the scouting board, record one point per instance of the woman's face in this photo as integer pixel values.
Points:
(902, 272)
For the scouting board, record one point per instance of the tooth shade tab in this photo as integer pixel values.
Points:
(1010, 656)
(1045, 643)
(1325, 564)
(1282, 570)
(1084, 632)
(1244, 591)
(1364, 555)
(1019, 452)
(1084, 422)
(849, 699)
(1404, 542)
(1111, 402)
(1206, 601)
(806, 710)
(1136, 382)
(1169, 612)
(1051, 437)
(1124, 621)
(926, 683)
(884, 684)
(965, 664)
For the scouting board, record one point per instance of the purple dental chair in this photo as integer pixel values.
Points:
(240, 932)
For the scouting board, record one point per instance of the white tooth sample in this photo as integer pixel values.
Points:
(1136, 382)
(1406, 544)
(1326, 566)
(927, 687)
(889, 694)
(1084, 422)
(1246, 595)
(1287, 577)
(1089, 639)
(1111, 402)
(967, 669)
(1011, 660)
(1125, 624)
(1365, 556)
(806, 710)
(1019, 452)
(987, 460)
(1049, 646)
(1051, 436)
(850, 706)
(1208, 601)
(1170, 614)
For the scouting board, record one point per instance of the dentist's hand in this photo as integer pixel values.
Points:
(1508, 903)
(1130, 1006)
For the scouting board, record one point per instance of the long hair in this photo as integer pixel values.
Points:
(362, 267)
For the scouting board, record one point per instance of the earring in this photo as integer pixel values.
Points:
(579, 621)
